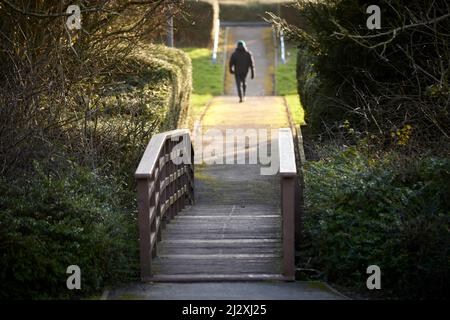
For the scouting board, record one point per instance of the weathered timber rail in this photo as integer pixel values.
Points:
(212, 241)
(164, 184)
(288, 175)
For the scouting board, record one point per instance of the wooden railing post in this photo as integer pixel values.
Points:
(143, 186)
(288, 208)
(156, 203)
(192, 174)
(288, 174)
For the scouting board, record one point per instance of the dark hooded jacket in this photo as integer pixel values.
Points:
(241, 62)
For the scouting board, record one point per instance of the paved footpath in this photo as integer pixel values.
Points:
(260, 43)
(241, 187)
(299, 290)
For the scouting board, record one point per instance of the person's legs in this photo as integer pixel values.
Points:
(244, 85)
(238, 85)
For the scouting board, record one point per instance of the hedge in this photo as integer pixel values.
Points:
(79, 207)
(151, 93)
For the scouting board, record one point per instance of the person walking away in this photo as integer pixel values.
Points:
(241, 62)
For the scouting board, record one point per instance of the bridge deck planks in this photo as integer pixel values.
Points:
(222, 241)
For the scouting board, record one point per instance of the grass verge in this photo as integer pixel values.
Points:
(207, 79)
(286, 85)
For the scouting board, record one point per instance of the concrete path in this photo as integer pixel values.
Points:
(257, 112)
(227, 291)
(241, 184)
(260, 43)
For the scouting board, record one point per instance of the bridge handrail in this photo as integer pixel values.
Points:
(164, 185)
(288, 180)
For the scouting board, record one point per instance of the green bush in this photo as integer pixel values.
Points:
(70, 217)
(386, 211)
(179, 65)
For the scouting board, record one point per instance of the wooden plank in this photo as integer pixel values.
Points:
(231, 211)
(221, 214)
(288, 202)
(227, 207)
(216, 277)
(200, 217)
(219, 256)
(227, 223)
(145, 240)
(247, 265)
(168, 250)
(221, 241)
(269, 234)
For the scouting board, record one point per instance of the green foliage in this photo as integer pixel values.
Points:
(148, 93)
(308, 84)
(328, 67)
(170, 65)
(387, 211)
(55, 219)
(92, 100)
(56, 215)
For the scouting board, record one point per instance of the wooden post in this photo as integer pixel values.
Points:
(192, 173)
(288, 174)
(144, 227)
(155, 202)
(172, 172)
(288, 208)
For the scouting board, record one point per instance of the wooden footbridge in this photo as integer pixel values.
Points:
(182, 239)
(223, 222)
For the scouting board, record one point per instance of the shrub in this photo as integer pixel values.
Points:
(387, 211)
(147, 93)
(380, 83)
(66, 81)
(83, 106)
(84, 214)
(56, 219)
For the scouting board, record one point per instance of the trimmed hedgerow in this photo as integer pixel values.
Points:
(149, 93)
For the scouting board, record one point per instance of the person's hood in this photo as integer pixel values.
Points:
(241, 47)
